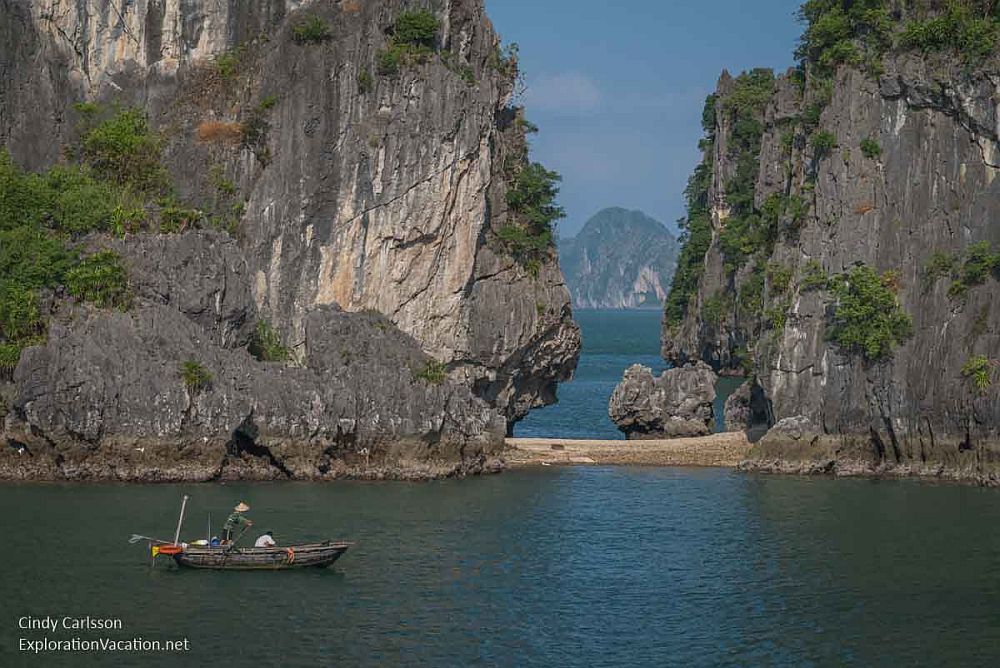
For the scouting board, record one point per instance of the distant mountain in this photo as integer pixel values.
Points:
(620, 259)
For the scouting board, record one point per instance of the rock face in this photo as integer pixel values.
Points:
(372, 191)
(105, 397)
(677, 404)
(620, 259)
(912, 177)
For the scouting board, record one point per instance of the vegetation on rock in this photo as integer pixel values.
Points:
(123, 149)
(860, 32)
(433, 372)
(414, 39)
(196, 377)
(531, 199)
(696, 226)
(868, 318)
(823, 142)
(979, 370)
(310, 30)
(266, 345)
(100, 278)
(969, 270)
(870, 148)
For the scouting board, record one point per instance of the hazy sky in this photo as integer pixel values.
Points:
(617, 88)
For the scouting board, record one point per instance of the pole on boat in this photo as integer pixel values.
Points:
(180, 520)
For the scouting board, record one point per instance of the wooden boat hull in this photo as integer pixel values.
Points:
(313, 555)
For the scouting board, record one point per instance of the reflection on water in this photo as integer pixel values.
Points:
(554, 567)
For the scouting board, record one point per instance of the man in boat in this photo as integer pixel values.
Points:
(235, 520)
(266, 540)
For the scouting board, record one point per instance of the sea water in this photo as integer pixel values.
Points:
(612, 341)
(584, 566)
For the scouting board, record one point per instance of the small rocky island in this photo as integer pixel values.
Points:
(677, 404)
(620, 259)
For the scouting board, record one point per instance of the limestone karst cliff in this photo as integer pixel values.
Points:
(842, 247)
(352, 163)
(619, 259)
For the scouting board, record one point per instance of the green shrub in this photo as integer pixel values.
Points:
(843, 31)
(532, 197)
(979, 263)
(779, 277)
(823, 142)
(978, 370)
(797, 209)
(10, 354)
(868, 318)
(265, 344)
(68, 198)
(813, 277)
(196, 377)
(715, 308)
(227, 64)
(20, 318)
(101, 279)
(938, 266)
(433, 372)
(223, 185)
(176, 218)
(958, 290)
(416, 28)
(125, 150)
(310, 30)
(414, 38)
(776, 317)
(975, 266)
(751, 293)
(871, 149)
(750, 93)
(392, 59)
(32, 258)
(518, 240)
(959, 27)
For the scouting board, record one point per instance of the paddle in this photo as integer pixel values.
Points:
(233, 544)
(136, 538)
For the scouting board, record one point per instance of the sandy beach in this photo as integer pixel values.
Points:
(724, 450)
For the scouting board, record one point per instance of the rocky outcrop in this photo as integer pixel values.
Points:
(677, 404)
(911, 178)
(108, 396)
(620, 259)
(747, 410)
(374, 191)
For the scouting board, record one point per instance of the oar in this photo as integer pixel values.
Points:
(233, 544)
(136, 538)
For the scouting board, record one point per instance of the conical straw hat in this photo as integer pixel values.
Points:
(242, 507)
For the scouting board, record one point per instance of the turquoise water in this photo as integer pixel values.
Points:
(612, 341)
(550, 567)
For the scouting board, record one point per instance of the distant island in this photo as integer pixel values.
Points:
(620, 259)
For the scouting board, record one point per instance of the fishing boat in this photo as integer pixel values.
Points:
(227, 556)
(319, 555)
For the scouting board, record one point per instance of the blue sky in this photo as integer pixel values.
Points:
(617, 88)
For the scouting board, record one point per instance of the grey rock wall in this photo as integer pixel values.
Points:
(105, 397)
(933, 189)
(369, 191)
